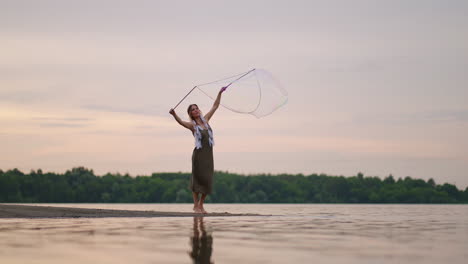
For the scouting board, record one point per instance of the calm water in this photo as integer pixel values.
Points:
(292, 234)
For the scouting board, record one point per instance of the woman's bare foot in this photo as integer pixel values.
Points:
(202, 210)
(197, 210)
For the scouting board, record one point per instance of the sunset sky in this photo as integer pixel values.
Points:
(378, 87)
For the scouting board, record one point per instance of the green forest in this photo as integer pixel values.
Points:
(81, 185)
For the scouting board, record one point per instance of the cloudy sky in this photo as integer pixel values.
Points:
(378, 87)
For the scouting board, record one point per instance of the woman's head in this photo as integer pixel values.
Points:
(193, 111)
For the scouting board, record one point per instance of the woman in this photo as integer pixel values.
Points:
(201, 181)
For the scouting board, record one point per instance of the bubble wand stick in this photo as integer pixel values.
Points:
(224, 88)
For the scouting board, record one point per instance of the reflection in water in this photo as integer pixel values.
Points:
(202, 243)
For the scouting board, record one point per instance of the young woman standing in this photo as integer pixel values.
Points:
(201, 181)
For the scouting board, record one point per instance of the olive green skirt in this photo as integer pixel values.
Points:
(201, 180)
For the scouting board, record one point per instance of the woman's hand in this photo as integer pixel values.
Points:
(172, 112)
(222, 89)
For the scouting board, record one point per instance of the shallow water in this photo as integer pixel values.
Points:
(304, 233)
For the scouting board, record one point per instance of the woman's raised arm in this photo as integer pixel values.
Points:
(215, 105)
(185, 124)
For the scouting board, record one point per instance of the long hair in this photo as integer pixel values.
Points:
(188, 110)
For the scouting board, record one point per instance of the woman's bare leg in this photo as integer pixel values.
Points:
(200, 203)
(196, 208)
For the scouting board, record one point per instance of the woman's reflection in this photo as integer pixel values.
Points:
(202, 243)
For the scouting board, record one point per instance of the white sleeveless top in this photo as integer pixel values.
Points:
(197, 133)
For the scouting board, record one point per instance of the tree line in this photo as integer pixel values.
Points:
(81, 185)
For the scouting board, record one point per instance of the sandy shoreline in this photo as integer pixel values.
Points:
(34, 211)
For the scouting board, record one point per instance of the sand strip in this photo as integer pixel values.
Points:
(33, 211)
